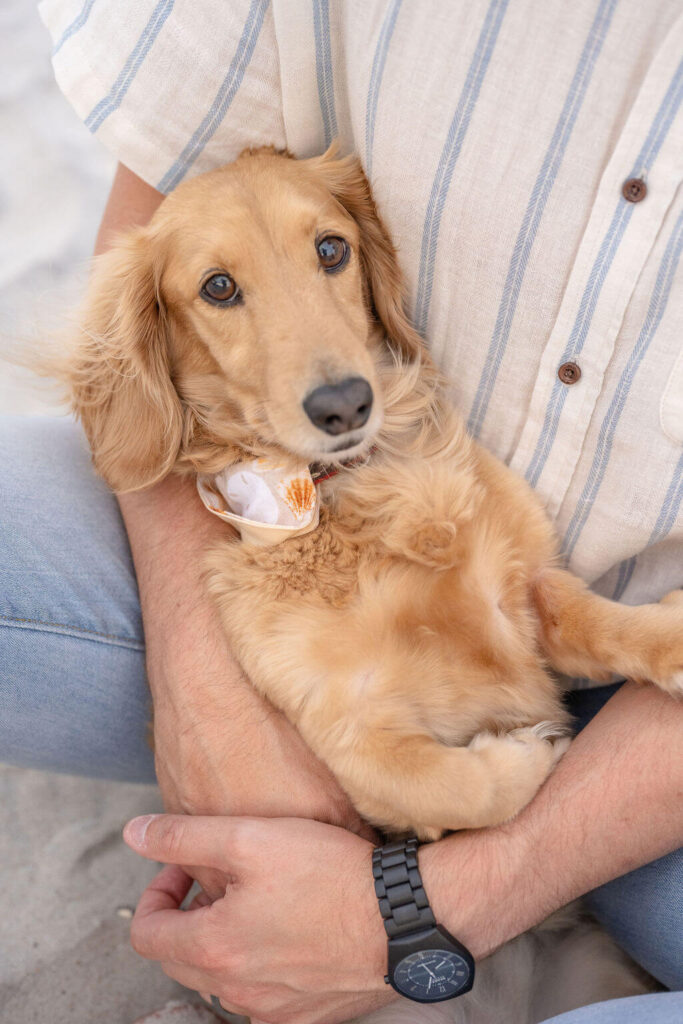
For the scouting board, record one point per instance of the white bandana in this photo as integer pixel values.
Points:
(262, 501)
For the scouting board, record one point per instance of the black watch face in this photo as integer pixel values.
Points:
(431, 975)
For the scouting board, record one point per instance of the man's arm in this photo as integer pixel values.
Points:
(614, 802)
(301, 913)
(131, 202)
(220, 748)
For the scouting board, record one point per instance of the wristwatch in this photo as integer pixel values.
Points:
(425, 962)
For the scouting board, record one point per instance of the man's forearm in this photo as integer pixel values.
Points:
(131, 203)
(169, 532)
(613, 803)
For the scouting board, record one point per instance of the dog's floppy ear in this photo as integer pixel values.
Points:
(346, 181)
(120, 381)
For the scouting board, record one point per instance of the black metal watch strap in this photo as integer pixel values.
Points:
(402, 899)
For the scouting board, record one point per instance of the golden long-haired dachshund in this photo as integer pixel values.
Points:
(409, 635)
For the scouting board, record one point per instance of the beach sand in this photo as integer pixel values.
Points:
(69, 885)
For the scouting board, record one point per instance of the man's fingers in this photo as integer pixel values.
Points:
(209, 842)
(213, 882)
(200, 900)
(191, 978)
(159, 929)
(166, 891)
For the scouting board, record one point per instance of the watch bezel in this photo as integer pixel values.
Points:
(436, 937)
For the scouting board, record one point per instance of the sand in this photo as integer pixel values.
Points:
(69, 885)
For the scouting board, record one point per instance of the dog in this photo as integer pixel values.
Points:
(409, 631)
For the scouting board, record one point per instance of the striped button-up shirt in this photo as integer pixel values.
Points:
(498, 135)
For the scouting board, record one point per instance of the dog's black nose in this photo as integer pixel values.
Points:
(338, 408)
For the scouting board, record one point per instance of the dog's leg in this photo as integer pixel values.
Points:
(419, 507)
(584, 634)
(405, 1011)
(581, 951)
(414, 783)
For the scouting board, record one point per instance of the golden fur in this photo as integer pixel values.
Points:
(409, 636)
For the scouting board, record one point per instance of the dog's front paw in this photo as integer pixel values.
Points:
(428, 504)
(521, 761)
(432, 544)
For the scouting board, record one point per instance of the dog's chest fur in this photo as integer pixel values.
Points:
(322, 564)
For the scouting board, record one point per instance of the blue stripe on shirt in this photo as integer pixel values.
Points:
(672, 505)
(77, 24)
(228, 90)
(620, 220)
(449, 156)
(603, 450)
(386, 32)
(323, 63)
(624, 577)
(535, 209)
(605, 257)
(668, 514)
(113, 100)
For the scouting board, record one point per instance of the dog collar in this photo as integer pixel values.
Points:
(320, 472)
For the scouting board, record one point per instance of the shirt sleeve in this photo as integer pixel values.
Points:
(172, 88)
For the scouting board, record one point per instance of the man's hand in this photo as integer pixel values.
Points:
(297, 938)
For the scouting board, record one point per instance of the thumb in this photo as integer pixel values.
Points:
(216, 842)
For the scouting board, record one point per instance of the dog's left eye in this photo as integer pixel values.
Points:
(333, 252)
(221, 290)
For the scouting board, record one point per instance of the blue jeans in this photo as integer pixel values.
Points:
(73, 694)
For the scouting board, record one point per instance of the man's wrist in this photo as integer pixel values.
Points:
(474, 881)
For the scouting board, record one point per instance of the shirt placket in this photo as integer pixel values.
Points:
(634, 195)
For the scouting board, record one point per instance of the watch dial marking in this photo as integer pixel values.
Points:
(431, 974)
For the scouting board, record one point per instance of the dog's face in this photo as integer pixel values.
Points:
(262, 266)
(253, 311)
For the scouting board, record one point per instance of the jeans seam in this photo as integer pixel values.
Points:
(94, 633)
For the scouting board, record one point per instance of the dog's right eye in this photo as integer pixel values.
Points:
(221, 290)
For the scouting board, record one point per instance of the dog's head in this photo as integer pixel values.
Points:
(255, 312)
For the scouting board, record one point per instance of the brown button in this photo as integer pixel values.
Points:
(634, 190)
(569, 373)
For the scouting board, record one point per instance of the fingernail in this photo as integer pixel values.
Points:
(135, 831)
